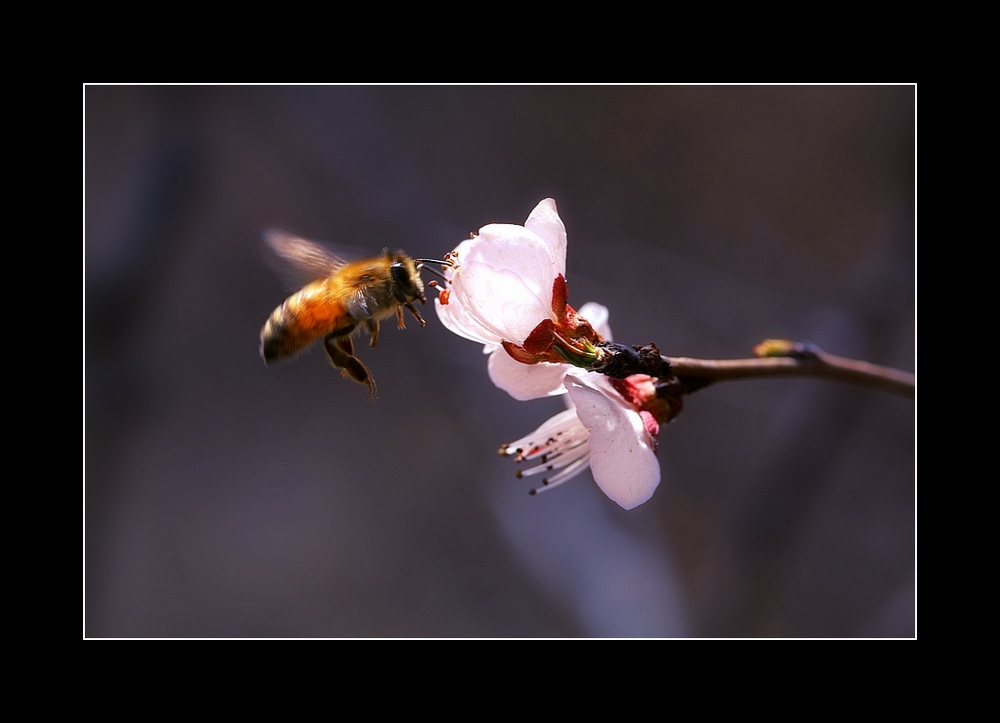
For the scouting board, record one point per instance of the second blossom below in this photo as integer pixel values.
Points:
(602, 430)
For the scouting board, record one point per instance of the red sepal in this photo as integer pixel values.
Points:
(560, 295)
(518, 353)
(541, 337)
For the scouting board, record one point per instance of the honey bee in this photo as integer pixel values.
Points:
(344, 297)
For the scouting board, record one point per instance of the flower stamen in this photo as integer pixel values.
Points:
(564, 475)
(561, 445)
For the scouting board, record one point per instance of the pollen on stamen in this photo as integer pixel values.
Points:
(536, 490)
(559, 453)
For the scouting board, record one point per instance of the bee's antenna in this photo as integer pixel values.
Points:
(448, 262)
(442, 262)
(432, 269)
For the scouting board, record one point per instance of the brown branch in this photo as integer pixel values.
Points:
(776, 358)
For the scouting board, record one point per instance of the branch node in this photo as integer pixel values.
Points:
(620, 361)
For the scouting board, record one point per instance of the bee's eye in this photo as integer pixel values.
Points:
(400, 275)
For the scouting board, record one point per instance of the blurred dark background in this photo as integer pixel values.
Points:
(226, 498)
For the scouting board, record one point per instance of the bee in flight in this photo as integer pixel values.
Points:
(344, 297)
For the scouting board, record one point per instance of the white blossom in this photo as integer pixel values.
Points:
(600, 429)
(500, 289)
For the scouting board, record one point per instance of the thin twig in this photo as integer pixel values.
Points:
(824, 365)
(776, 358)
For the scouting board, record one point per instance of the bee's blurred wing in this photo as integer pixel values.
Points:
(298, 261)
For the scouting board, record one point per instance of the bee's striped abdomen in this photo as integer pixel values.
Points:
(302, 318)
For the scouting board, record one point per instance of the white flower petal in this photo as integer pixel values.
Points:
(544, 220)
(515, 248)
(624, 465)
(501, 287)
(461, 251)
(526, 381)
(504, 304)
(504, 282)
(457, 320)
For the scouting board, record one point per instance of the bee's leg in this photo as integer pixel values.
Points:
(372, 325)
(413, 310)
(340, 349)
(399, 317)
(346, 344)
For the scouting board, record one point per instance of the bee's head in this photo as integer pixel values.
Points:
(408, 286)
